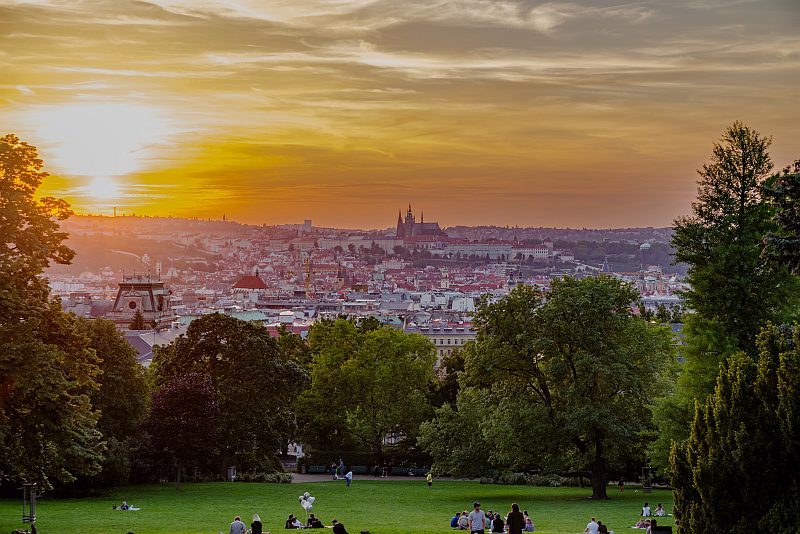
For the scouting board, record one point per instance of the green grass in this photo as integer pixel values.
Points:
(380, 506)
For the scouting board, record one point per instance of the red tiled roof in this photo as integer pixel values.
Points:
(250, 282)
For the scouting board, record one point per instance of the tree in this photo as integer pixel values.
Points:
(121, 399)
(739, 471)
(368, 383)
(721, 241)
(579, 368)
(29, 230)
(254, 385)
(183, 425)
(735, 289)
(137, 323)
(783, 243)
(708, 345)
(458, 452)
(48, 370)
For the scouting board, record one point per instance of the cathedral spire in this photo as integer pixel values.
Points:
(400, 233)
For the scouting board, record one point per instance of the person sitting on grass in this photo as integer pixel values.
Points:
(338, 528)
(529, 526)
(463, 521)
(256, 527)
(293, 522)
(498, 525)
(660, 512)
(641, 523)
(314, 522)
(454, 520)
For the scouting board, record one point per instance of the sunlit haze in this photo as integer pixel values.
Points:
(581, 113)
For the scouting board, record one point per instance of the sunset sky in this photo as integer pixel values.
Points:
(575, 113)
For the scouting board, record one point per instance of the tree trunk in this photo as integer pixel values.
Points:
(599, 470)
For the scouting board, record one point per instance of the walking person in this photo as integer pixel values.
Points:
(429, 478)
(515, 521)
(477, 519)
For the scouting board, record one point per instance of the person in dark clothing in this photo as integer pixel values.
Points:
(338, 528)
(497, 523)
(515, 520)
(256, 527)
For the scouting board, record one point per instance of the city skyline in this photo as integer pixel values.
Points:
(568, 114)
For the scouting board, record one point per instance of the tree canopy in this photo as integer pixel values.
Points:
(48, 428)
(367, 383)
(579, 368)
(254, 385)
(735, 287)
(722, 241)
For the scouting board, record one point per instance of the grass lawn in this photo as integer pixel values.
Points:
(380, 506)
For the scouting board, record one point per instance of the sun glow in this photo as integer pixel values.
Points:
(99, 141)
(103, 188)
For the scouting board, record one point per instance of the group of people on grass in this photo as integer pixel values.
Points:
(659, 511)
(480, 522)
(596, 526)
(257, 527)
(645, 522)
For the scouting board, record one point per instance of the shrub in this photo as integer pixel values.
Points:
(260, 476)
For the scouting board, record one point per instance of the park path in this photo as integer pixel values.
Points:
(300, 478)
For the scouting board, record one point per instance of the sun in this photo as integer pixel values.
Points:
(103, 188)
(99, 142)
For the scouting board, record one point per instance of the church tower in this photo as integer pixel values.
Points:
(401, 229)
(409, 230)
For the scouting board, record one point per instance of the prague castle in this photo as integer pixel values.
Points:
(411, 228)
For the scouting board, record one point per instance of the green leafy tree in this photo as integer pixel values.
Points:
(579, 368)
(183, 424)
(448, 438)
(368, 383)
(739, 471)
(121, 399)
(48, 431)
(708, 345)
(255, 386)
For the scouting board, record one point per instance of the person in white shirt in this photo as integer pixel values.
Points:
(592, 527)
(646, 510)
(477, 519)
(660, 512)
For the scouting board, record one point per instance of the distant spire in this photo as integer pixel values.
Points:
(400, 233)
